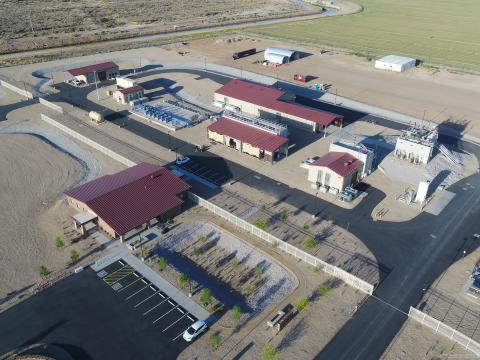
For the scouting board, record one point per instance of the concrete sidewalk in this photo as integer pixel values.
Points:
(119, 251)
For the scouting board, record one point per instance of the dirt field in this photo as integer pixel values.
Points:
(32, 178)
(415, 341)
(437, 32)
(41, 24)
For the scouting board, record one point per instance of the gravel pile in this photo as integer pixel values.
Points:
(56, 139)
(279, 282)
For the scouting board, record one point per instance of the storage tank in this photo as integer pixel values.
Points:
(422, 192)
(95, 116)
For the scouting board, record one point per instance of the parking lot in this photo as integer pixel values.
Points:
(150, 304)
(117, 315)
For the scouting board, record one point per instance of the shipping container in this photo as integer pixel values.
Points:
(241, 54)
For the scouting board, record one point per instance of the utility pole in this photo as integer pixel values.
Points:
(335, 96)
(96, 86)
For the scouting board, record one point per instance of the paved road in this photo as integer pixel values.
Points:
(416, 251)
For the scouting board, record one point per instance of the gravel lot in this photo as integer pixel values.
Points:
(279, 282)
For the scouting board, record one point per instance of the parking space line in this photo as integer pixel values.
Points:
(135, 293)
(160, 303)
(141, 302)
(168, 312)
(176, 337)
(169, 326)
(191, 318)
(121, 262)
(133, 282)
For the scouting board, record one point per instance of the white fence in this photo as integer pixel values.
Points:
(22, 92)
(87, 141)
(51, 105)
(290, 249)
(445, 330)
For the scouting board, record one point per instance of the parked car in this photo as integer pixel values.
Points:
(310, 160)
(182, 160)
(195, 330)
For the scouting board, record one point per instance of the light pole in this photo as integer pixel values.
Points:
(96, 86)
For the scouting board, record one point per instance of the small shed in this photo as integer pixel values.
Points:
(395, 63)
(126, 95)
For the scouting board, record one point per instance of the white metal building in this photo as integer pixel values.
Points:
(361, 152)
(280, 56)
(416, 144)
(395, 63)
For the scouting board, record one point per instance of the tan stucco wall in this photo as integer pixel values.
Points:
(214, 136)
(336, 180)
(251, 150)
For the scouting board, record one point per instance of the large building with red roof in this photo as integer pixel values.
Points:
(125, 202)
(267, 102)
(335, 170)
(96, 72)
(262, 142)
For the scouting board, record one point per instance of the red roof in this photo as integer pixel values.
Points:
(131, 197)
(91, 68)
(263, 140)
(131, 89)
(340, 162)
(269, 98)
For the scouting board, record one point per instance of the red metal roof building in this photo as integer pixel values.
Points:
(102, 71)
(335, 169)
(257, 99)
(248, 139)
(130, 198)
(126, 95)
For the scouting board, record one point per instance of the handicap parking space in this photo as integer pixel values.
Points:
(147, 301)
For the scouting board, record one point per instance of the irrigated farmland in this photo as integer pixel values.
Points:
(435, 31)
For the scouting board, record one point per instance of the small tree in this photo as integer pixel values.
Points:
(59, 244)
(236, 312)
(215, 341)
(162, 263)
(43, 271)
(263, 207)
(261, 223)
(206, 296)
(269, 352)
(283, 216)
(196, 251)
(202, 238)
(248, 289)
(310, 242)
(182, 279)
(302, 304)
(324, 290)
(73, 255)
(258, 272)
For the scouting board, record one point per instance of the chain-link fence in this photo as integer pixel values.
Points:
(274, 241)
(445, 330)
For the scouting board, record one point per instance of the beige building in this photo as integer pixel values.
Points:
(335, 170)
(274, 104)
(248, 139)
(124, 96)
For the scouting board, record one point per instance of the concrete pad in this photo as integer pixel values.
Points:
(439, 202)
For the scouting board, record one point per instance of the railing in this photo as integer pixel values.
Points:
(282, 245)
(445, 330)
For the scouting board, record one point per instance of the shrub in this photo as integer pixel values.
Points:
(261, 223)
(310, 242)
(215, 341)
(196, 251)
(202, 238)
(206, 296)
(236, 312)
(59, 244)
(258, 272)
(283, 216)
(324, 290)
(316, 268)
(248, 289)
(269, 352)
(306, 226)
(43, 271)
(302, 304)
(263, 207)
(162, 263)
(182, 279)
(73, 255)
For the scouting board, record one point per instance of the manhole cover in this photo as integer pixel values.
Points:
(102, 273)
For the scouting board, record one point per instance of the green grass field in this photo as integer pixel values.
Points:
(443, 32)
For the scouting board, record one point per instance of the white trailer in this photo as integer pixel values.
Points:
(395, 63)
